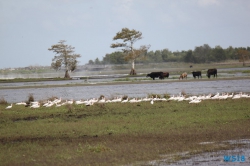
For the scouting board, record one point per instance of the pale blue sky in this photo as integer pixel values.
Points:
(29, 27)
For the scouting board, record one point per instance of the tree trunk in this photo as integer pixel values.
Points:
(132, 72)
(67, 74)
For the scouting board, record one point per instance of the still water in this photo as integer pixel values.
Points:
(131, 90)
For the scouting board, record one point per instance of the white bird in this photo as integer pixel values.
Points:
(195, 101)
(152, 101)
(58, 105)
(125, 101)
(44, 105)
(21, 103)
(79, 102)
(9, 107)
(34, 102)
(237, 96)
(230, 96)
(94, 100)
(70, 102)
(35, 105)
(117, 99)
(134, 100)
(102, 100)
(172, 98)
(89, 103)
(57, 100)
(50, 104)
(146, 99)
(65, 102)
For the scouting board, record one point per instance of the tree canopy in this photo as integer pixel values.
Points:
(65, 57)
(129, 37)
(243, 55)
(200, 54)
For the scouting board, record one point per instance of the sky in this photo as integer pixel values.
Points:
(29, 27)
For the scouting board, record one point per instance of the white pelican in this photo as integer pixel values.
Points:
(70, 102)
(50, 104)
(94, 100)
(44, 105)
(152, 102)
(89, 103)
(79, 102)
(134, 100)
(125, 101)
(58, 105)
(57, 100)
(34, 102)
(21, 103)
(35, 105)
(146, 99)
(102, 100)
(9, 107)
(195, 101)
(237, 96)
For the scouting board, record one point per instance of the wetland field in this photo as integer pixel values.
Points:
(163, 133)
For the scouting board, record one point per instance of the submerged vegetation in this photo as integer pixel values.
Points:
(116, 133)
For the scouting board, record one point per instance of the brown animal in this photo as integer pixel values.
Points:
(164, 74)
(183, 75)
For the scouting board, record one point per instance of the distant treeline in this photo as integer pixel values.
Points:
(201, 54)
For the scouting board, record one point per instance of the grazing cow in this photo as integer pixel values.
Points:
(197, 74)
(211, 72)
(155, 75)
(164, 74)
(183, 75)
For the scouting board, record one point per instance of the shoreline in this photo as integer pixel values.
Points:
(124, 82)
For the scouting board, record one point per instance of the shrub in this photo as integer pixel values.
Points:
(124, 97)
(101, 96)
(166, 96)
(30, 98)
(3, 101)
(183, 93)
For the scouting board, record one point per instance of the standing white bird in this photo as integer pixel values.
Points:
(152, 101)
(9, 107)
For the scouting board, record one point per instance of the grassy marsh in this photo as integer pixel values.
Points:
(115, 133)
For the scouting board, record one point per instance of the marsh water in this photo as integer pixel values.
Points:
(241, 157)
(131, 90)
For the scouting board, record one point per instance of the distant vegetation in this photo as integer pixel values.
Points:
(201, 54)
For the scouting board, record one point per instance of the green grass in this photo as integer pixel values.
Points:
(115, 133)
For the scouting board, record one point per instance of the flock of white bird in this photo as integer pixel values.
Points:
(89, 102)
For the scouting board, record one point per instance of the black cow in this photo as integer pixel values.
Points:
(197, 74)
(164, 74)
(155, 75)
(211, 72)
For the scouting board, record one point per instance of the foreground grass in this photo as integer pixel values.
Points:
(115, 133)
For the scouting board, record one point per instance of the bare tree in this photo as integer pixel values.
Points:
(64, 57)
(129, 37)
